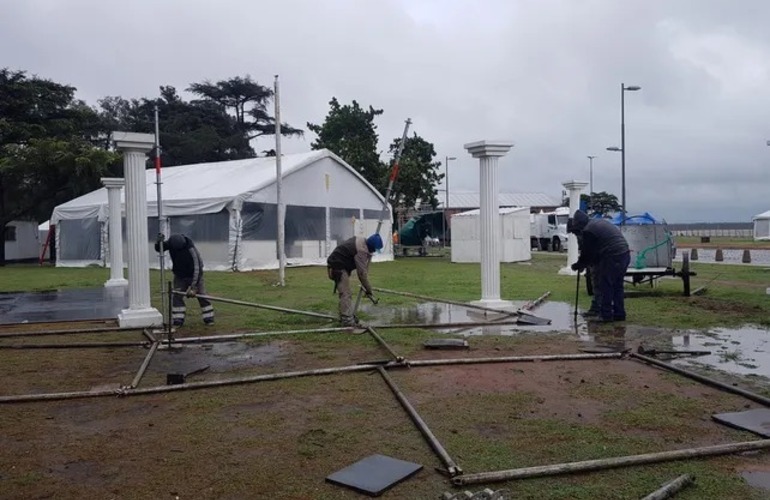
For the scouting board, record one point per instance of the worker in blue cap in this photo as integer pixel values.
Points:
(603, 246)
(351, 255)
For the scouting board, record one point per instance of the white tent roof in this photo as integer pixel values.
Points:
(207, 187)
(503, 211)
(763, 215)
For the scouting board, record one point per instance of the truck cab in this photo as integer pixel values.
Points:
(548, 230)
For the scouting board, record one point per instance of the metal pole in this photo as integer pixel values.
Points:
(609, 463)
(516, 359)
(382, 342)
(671, 488)
(446, 301)
(262, 306)
(145, 364)
(446, 198)
(591, 180)
(75, 345)
(281, 214)
(235, 336)
(623, 147)
(181, 387)
(434, 443)
(706, 380)
(160, 216)
(169, 329)
(67, 332)
(393, 175)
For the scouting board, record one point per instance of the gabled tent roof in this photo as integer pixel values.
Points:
(763, 215)
(205, 187)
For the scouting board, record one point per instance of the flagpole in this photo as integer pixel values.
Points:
(279, 200)
(161, 233)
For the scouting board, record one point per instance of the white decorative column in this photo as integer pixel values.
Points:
(575, 189)
(488, 152)
(140, 313)
(114, 185)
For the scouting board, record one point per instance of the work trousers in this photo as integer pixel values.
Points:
(346, 302)
(596, 299)
(178, 308)
(612, 270)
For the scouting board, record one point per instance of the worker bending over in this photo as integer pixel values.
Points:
(187, 267)
(351, 255)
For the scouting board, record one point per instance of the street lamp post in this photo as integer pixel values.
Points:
(623, 90)
(447, 159)
(591, 179)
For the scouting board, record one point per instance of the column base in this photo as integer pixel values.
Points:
(504, 305)
(116, 282)
(140, 318)
(567, 271)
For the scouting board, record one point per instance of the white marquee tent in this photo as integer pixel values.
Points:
(514, 236)
(762, 226)
(230, 210)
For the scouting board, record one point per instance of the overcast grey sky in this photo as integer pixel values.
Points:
(545, 74)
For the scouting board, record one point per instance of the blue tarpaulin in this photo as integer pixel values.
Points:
(631, 220)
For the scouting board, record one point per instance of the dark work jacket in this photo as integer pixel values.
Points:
(600, 238)
(186, 261)
(352, 254)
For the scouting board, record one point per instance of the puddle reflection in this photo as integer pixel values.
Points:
(742, 351)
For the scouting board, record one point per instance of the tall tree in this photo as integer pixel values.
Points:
(602, 203)
(418, 173)
(248, 101)
(349, 131)
(47, 154)
(190, 132)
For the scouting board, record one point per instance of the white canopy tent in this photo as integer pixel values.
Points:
(229, 210)
(762, 226)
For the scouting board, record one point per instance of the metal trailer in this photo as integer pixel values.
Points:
(652, 255)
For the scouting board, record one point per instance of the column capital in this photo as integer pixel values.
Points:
(133, 141)
(483, 149)
(573, 184)
(113, 182)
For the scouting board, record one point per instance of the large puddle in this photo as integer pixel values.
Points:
(742, 351)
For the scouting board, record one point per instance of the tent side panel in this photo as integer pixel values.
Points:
(762, 229)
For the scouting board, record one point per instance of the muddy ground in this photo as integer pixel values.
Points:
(280, 439)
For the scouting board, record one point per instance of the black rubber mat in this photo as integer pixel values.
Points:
(72, 304)
(756, 420)
(374, 474)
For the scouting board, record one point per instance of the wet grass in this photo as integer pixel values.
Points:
(280, 439)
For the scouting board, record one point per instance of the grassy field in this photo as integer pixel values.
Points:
(720, 242)
(279, 439)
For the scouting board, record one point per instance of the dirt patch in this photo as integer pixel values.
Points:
(280, 439)
(723, 306)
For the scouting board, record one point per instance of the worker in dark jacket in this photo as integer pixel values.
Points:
(351, 255)
(603, 245)
(187, 267)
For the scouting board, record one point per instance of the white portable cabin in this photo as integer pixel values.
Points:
(21, 240)
(229, 209)
(514, 235)
(762, 226)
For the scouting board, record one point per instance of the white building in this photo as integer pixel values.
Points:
(21, 241)
(229, 209)
(514, 236)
